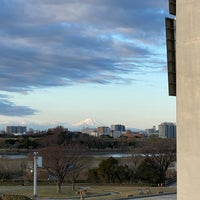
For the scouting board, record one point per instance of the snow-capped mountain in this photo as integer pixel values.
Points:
(87, 123)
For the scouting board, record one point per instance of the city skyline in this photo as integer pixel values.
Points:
(91, 127)
(64, 61)
(83, 124)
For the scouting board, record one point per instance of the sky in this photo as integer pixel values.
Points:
(62, 61)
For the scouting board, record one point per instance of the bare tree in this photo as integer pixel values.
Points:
(61, 160)
(56, 163)
(136, 157)
(79, 164)
(162, 152)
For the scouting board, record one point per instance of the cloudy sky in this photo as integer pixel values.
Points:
(62, 61)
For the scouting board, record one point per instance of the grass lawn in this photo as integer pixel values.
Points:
(97, 192)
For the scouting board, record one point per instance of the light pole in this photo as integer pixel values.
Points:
(35, 175)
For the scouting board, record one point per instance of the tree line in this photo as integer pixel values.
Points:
(61, 135)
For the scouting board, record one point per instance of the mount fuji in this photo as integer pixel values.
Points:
(87, 123)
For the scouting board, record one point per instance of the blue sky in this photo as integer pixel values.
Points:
(66, 60)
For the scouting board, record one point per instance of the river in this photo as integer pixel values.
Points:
(95, 154)
(14, 156)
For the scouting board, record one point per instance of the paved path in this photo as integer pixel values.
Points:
(163, 197)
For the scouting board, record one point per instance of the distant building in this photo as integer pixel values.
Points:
(2, 132)
(117, 130)
(103, 130)
(116, 134)
(151, 131)
(130, 134)
(90, 131)
(15, 129)
(118, 127)
(167, 130)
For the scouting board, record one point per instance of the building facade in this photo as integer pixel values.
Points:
(16, 129)
(151, 131)
(187, 92)
(167, 130)
(103, 130)
(118, 127)
(188, 98)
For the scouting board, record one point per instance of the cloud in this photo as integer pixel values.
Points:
(8, 108)
(57, 42)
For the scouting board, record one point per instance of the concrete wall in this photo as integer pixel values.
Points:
(188, 98)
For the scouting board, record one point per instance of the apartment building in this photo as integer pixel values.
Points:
(15, 129)
(167, 130)
(118, 127)
(103, 130)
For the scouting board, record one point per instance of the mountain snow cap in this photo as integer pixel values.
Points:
(88, 123)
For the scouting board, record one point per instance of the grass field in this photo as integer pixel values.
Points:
(97, 192)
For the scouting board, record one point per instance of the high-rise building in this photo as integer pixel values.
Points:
(118, 127)
(167, 130)
(117, 130)
(15, 129)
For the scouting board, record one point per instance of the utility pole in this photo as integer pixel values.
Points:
(35, 175)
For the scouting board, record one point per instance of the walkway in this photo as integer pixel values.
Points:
(162, 197)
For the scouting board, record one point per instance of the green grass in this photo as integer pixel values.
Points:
(95, 191)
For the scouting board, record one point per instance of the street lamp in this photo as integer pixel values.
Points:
(35, 175)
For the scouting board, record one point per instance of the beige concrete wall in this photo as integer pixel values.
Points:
(188, 98)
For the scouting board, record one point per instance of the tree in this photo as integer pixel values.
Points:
(56, 163)
(107, 169)
(93, 175)
(135, 158)
(61, 160)
(161, 152)
(51, 136)
(110, 171)
(78, 163)
(147, 171)
(67, 137)
(123, 174)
